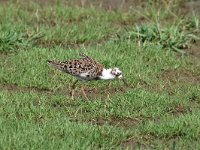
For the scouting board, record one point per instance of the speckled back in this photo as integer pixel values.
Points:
(84, 68)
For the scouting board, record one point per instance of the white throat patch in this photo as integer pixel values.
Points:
(106, 75)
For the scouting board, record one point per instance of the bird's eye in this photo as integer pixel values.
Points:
(118, 74)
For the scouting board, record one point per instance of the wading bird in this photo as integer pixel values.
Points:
(86, 69)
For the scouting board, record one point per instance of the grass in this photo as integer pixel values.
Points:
(159, 110)
(171, 37)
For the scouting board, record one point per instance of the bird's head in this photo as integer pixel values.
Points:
(116, 73)
(113, 73)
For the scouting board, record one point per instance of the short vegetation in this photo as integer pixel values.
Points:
(156, 44)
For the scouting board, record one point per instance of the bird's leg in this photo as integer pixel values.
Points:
(73, 89)
(108, 97)
(84, 94)
(109, 84)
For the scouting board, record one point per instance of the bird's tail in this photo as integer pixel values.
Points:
(56, 64)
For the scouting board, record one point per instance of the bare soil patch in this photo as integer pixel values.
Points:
(173, 78)
(190, 6)
(194, 50)
(130, 143)
(3, 1)
(181, 76)
(104, 92)
(170, 80)
(178, 110)
(108, 4)
(125, 122)
(68, 44)
(104, 4)
(15, 88)
(185, 6)
(91, 93)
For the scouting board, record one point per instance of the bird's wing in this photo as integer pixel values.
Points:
(84, 56)
(85, 66)
(79, 67)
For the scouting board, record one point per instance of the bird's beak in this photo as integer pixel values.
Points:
(121, 78)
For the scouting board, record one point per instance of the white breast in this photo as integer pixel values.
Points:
(83, 76)
(106, 75)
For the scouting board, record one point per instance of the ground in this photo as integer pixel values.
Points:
(154, 43)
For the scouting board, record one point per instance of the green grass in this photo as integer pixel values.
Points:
(160, 109)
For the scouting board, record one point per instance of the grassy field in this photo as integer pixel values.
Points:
(156, 44)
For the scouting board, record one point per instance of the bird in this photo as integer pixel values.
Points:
(86, 69)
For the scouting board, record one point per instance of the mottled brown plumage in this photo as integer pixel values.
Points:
(84, 68)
